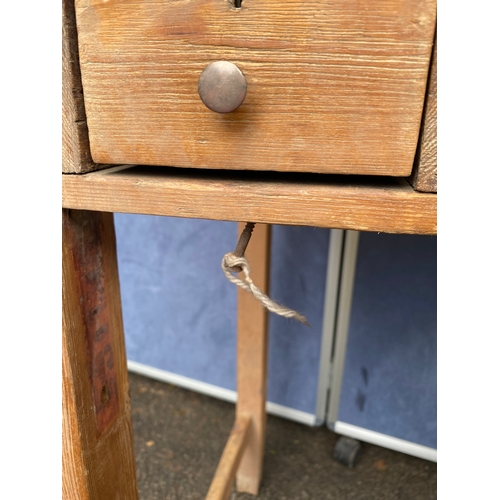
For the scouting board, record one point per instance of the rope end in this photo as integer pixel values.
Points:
(302, 319)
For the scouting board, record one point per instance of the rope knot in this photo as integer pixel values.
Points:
(235, 264)
(231, 263)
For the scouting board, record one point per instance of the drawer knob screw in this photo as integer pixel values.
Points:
(222, 87)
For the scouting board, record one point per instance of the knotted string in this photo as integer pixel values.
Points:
(230, 262)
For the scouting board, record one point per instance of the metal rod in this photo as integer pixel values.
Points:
(242, 244)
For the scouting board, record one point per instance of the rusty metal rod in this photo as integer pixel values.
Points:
(242, 244)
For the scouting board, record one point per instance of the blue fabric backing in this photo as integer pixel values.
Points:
(389, 382)
(299, 258)
(179, 310)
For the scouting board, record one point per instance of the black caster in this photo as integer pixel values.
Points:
(346, 451)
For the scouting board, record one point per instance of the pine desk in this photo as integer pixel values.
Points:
(98, 457)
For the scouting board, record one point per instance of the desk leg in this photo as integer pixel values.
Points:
(98, 457)
(252, 360)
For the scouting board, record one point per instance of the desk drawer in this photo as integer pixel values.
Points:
(332, 86)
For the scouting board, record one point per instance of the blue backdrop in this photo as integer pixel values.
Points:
(179, 310)
(389, 382)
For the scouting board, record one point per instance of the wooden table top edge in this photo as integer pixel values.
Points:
(388, 205)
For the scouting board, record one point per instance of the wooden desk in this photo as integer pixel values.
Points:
(98, 458)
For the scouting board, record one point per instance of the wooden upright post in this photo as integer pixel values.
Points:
(98, 457)
(252, 360)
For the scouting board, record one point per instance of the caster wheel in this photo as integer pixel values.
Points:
(346, 451)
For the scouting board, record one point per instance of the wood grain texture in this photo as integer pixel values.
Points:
(98, 457)
(252, 327)
(76, 157)
(223, 480)
(73, 461)
(339, 202)
(424, 176)
(333, 86)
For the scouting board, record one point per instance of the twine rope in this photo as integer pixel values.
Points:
(230, 262)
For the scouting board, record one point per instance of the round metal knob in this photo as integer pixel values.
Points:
(222, 87)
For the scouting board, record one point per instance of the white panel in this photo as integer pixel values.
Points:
(217, 392)
(389, 442)
(329, 312)
(342, 322)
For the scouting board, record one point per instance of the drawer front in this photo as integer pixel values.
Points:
(332, 86)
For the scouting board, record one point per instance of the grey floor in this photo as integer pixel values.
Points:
(179, 436)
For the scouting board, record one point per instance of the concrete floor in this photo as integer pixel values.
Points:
(179, 437)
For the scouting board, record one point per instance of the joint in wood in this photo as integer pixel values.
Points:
(224, 477)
